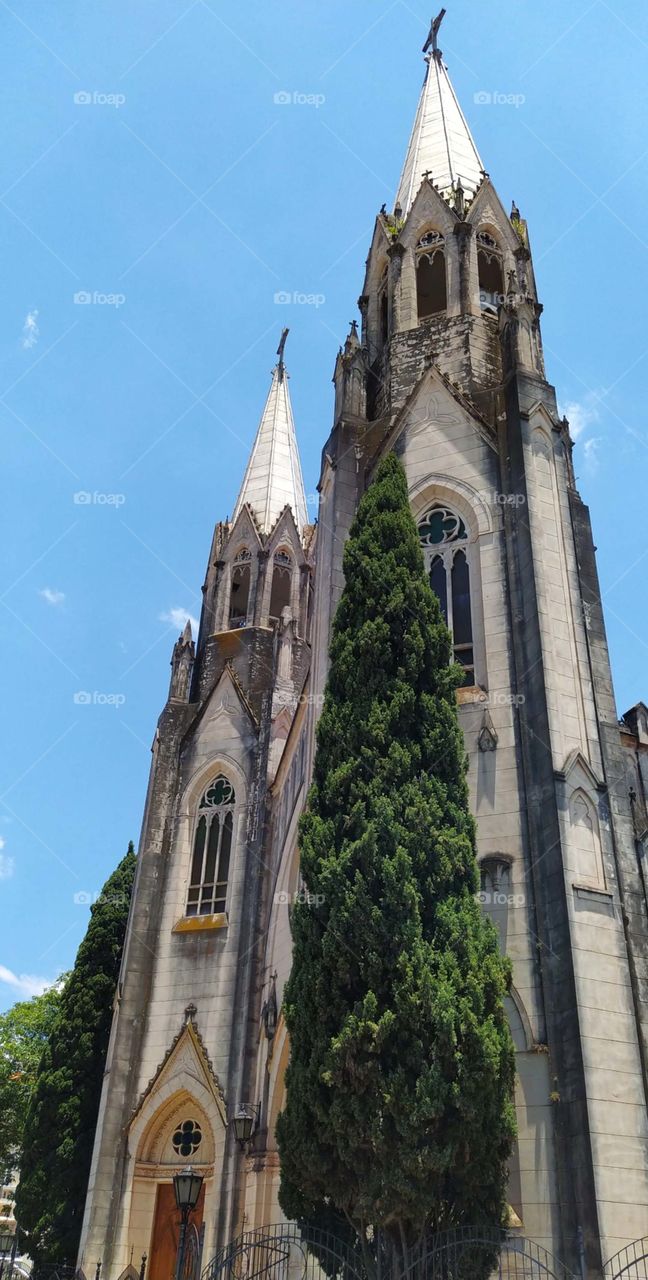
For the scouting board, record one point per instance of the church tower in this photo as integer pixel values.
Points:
(449, 372)
(446, 369)
(188, 1005)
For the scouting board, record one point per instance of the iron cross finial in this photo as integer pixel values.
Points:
(433, 38)
(282, 344)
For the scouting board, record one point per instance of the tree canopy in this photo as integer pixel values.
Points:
(399, 1110)
(62, 1116)
(24, 1030)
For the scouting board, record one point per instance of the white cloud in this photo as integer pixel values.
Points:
(24, 983)
(7, 864)
(31, 331)
(178, 619)
(591, 453)
(52, 596)
(582, 414)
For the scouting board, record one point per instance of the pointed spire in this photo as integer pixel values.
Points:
(186, 635)
(441, 144)
(273, 478)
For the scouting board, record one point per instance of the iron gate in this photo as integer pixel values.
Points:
(288, 1253)
(630, 1263)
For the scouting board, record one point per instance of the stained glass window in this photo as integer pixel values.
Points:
(187, 1138)
(444, 539)
(212, 849)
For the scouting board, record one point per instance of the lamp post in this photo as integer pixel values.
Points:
(246, 1122)
(186, 1185)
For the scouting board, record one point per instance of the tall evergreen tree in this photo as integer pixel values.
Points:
(399, 1110)
(60, 1126)
(24, 1030)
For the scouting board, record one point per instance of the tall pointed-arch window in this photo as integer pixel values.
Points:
(240, 589)
(282, 571)
(444, 539)
(212, 849)
(431, 286)
(491, 272)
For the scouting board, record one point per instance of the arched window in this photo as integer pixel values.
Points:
(211, 850)
(586, 839)
(282, 571)
(240, 589)
(431, 287)
(491, 272)
(445, 546)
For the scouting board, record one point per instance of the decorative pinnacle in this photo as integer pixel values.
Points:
(433, 38)
(280, 351)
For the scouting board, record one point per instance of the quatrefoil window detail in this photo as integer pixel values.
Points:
(187, 1138)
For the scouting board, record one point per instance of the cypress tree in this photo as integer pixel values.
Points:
(399, 1112)
(61, 1121)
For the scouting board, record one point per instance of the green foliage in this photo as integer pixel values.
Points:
(399, 1109)
(61, 1121)
(24, 1030)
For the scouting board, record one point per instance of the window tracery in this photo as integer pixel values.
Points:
(212, 849)
(431, 285)
(445, 543)
(491, 272)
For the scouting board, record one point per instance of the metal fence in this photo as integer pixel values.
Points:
(469, 1253)
(630, 1263)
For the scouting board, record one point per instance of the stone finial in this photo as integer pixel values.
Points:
(487, 738)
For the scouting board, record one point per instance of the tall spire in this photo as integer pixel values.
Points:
(273, 478)
(441, 146)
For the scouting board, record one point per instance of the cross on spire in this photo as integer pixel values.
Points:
(433, 38)
(281, 348)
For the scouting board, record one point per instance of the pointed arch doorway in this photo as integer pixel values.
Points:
(166, 1235)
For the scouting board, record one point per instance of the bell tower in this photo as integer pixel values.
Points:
(188, 1004)
(448, 371)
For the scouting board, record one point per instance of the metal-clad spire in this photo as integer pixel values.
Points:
(441, 146)
(273, 478)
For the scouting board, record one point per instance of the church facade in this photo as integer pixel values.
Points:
(446, 369)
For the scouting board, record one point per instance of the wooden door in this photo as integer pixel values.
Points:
(163, 1251)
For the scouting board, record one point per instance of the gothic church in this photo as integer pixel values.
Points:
(446, 369)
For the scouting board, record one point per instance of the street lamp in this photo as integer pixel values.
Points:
(246, 1122)
(186, 1185)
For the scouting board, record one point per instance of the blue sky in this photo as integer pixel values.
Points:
(146, 163)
